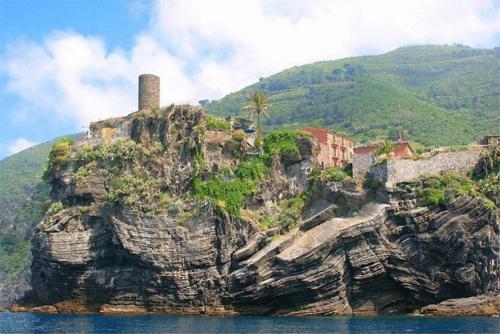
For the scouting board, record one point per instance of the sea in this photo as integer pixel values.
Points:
(72, 324)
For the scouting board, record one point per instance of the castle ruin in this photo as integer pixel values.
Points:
(149, 92)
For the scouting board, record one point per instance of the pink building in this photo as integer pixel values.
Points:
(335, 150)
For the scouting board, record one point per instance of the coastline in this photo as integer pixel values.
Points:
(487, 305)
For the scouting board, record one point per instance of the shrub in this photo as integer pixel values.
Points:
(490, 185)
(269, 222)
(85, 170)
(135, 192)
(238, 135)
(290, 214)
(252, 169)
(333, 174)
(54, 208)
(434, 189)
(227, 195)
(217, 124)
(371, 183)
(118, 152)
(282, 143)
(431, 196)
(59, 156)
(489, 162)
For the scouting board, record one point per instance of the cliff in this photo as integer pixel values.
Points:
(157, 219)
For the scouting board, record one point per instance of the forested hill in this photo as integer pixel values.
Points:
(438, 95)
(24, 197)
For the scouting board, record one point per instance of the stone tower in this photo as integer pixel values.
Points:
(149, 92)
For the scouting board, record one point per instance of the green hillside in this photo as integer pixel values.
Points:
(440, 95)
(24, 198)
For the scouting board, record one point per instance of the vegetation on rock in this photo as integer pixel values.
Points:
(217, 124)
(59, 155)
(437, 190)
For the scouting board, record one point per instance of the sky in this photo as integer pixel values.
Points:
(65, 63)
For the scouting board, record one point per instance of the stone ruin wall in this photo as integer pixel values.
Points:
(361, 164)
(400, 170)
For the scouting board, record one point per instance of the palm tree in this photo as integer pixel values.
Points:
(259, 104)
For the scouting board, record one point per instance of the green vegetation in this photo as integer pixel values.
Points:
(437, 190)
(54, 208)
(217, 124)
(386, 148)
(15, 258)
(281, 143)
(86, 170)
(259, 104)
(24, 199)
(436, 95)
(228, 190)
(118, 153)
(290, 214)
(251, 169)
(141, 194)
(226, 195)
(371, 183)
(134, 192)
(59, 155)
(333, 174)
(487, 173)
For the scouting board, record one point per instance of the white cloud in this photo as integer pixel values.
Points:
(19, 145)
(73, 76)
(206, 49)
(268, 36)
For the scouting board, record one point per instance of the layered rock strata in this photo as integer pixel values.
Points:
(354, 253)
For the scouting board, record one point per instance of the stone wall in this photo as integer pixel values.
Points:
(399, 170)
(110, 128)
(361, 164)
(149, 92)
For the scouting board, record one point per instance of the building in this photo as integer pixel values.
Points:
(335, 149)
(402, 149)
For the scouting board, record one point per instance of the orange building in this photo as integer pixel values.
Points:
(335, 150)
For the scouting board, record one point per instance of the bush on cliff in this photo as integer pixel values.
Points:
(141, 194)
(59, 155)
(118, 153)
(436, 190)
(226, 195)
(217, 124)
(281, 143)
(54, 208)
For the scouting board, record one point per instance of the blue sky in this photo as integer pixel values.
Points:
(64, 63)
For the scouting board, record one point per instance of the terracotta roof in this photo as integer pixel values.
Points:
(320, 134)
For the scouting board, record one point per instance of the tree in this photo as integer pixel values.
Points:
(259, 104)
(386, 147)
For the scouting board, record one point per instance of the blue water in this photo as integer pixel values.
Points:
(44, 323)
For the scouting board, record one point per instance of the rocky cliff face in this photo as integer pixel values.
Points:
(113, 248)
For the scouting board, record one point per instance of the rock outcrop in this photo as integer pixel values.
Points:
(354, 252)
(478, 306)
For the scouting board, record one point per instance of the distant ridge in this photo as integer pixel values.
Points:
(439, 95)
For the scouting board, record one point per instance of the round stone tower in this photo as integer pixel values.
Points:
(149, 92)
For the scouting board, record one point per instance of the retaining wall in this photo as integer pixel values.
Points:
(394, 171)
